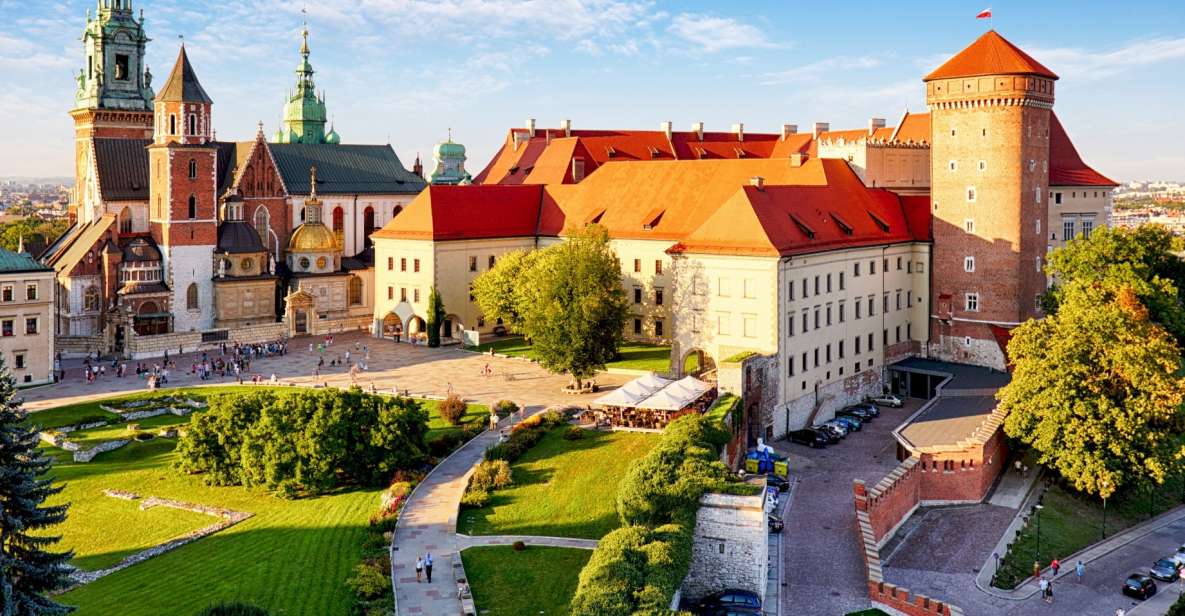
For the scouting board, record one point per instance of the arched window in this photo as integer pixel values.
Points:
(355, 290)
(395, 212)
(192, 124)
(192, 169)
(367, 225)
(338, 219)
(191, 296)
(261, 224)
(192, 206)
(90, 298)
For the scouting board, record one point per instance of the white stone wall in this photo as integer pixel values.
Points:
(731, 548)
(973, 351)
(796, 413)
(185, 265)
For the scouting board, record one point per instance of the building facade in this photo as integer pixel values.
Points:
(26, 318)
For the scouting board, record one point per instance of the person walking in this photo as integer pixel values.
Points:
(1036, 569)
(1080, 570)
(1017, 467)
(1049, 592)
(419, 568)
(1044, 586)
(1055, 565)
(428, 566)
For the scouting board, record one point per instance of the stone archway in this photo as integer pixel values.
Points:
(452, 328)
(699, 364)
(392, 325)
(416, 325)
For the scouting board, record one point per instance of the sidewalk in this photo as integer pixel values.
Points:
(1160, 603)
(465, 542)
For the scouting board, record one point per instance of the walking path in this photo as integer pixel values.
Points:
(465, 542)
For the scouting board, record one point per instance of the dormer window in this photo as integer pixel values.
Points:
(802, 226)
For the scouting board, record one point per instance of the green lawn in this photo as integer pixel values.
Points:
(633, 355)
(562, 488)
(292, 557)
(1070, 522)
(538, 580)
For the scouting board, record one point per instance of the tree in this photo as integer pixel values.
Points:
(436, 316)
(1096, 388)
(28, 569)
(566, 299)
(451, 409)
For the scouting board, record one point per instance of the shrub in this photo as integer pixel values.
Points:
(445, 444)
(475, 498)
(519, 546)
(371, 579)
(574, 433)
(491, 475)
(1178, 607)
(505, 408)
(451, 409)
(232, 609)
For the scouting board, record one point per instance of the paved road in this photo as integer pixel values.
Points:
(419, 369)
(824, 571)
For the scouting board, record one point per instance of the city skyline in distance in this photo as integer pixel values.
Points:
(406, 72)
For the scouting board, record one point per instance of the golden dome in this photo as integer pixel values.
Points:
(312, 237)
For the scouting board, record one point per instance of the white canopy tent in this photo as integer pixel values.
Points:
(675, 396)
(633, 392)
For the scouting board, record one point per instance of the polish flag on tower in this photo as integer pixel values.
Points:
(984, 14)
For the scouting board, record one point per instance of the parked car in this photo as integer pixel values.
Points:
(732, 611)
(853, 423)
(842, 427)
(780, 483)
(1180, 555)
(728, 601)
(858, 412)
(889, 400)
(775, 524)
(870, 407)
(1165, 569)
(1139, 586)
(832, 436)
(809, 437)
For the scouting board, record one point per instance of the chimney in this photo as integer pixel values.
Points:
(757, 182)
(698, 129)
(530, 127)
(566, 126)
(875, 123)
(789, 129)
(667, 129)
(821, 127)
(797, 159)
(738, 129)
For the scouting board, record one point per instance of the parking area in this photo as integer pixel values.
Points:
(823, 569)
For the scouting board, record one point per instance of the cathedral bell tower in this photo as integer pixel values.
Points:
(990, 108)
(182, 194)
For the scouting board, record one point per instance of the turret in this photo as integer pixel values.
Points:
(304, 112)
(182, 108)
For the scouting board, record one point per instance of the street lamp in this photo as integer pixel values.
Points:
(1038, 507)
(1104, 485)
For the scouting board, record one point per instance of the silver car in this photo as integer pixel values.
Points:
(839, 426)
(889, 400)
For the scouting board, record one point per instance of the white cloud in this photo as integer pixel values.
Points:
(822, 68)
(711, 34)
(1083, 64)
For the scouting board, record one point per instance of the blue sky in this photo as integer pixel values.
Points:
(411, 69)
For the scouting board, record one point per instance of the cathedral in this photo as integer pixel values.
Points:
(179, 239)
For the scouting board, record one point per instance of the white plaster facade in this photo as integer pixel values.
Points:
(188, 265)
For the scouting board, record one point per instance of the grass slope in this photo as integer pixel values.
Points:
(538, 580)
(292, 557)
(562, 488)
(633, 356)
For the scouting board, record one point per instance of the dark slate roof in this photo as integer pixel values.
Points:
(237, 236)
(360, 261)
(227, 161)
(136, 287)
(965, 376)
(948, 421)
(344, 169)
(141, 249)
(182, 84)
(12, 262)
(123, 168)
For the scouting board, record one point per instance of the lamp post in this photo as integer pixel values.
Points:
(1038, 507)
(1104, 485)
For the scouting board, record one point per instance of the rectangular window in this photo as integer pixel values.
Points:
(658, 327)
(1087, 227)
(983, 165)
(658, 297)
(841, 343)
(6, 327)
(885, 337)
(969, 225)
(750, 289)
(473, 264)
(828, 283)
(637, 295)
(909, 331)
(828, 354)
(1057, 198)
(971, 302)
(899, 264)
(909, 267)
(871, 307)
(790, 324)
(390, 292)
(31, 291)
(856, 340)
(968, 264)
(805, 366)
(491, 261)
(970, 194)
(805, 290)
(817, 317)
(415, 295)
(390, 264)
(871, 343)
(1038, 263)
(722, 287)
(841, 281)
(637, 326)
(828, 315)
(921, 267)
(953, 165)
(6, 293)
(885, 303)
(816, 364)
(19, 360)
(790, 365)
(749, 326)
(790, 291)
(898, 299)
(31, 326)
(403, 294)
(1067, 229)
(658, 266)
(856, 269)
(722, 324)
(857, 304)
(842, 312)
(805, 320)
(638, 265)
(872, 267)
(898, 333)
(403, 264)
(816, 285)
(415, 265)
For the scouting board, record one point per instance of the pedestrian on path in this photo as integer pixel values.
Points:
(1044, 586)
(1080, 570)
(1054, 565)
(419, 568)
(1036, 569)
(428, 566)
(1049, 591)
(1017, 467)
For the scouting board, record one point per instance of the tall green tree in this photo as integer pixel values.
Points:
(436, 316)
(1097, 389)
(567, 299)
(28, 568)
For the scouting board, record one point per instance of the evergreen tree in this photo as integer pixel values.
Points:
(436, 316)
(28, 570)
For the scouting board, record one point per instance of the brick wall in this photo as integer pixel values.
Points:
(892, 500)
(962, 476)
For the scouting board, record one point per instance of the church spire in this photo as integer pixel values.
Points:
(304, 112)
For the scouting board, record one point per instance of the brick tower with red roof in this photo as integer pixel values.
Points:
(991, 108)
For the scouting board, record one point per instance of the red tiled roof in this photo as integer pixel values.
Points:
(913, 128)
(468, 212)
(1066, 167)
(918, 216)
(784, 220)
(990, 54)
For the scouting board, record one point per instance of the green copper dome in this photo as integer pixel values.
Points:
(332, 136)
(448, 149)
(304, 111)
(450, 162)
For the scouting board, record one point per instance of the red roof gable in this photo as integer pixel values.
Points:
(1065, 165)
(468, 212)
(990, 54)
